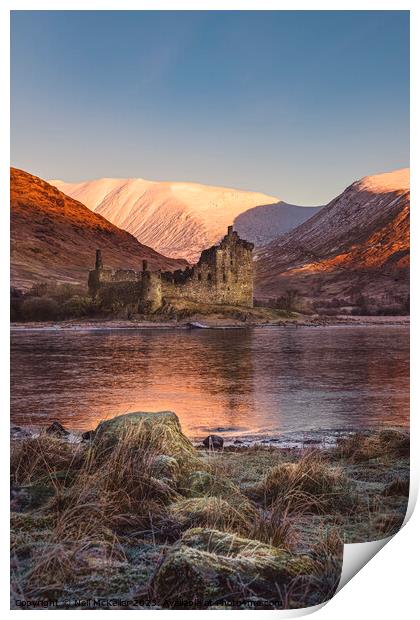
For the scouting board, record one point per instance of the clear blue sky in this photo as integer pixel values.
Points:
(294, 104)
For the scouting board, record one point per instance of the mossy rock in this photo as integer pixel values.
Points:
(211, 512)
(160, 430)
(166, 468)
(192, 577)
(229, 544)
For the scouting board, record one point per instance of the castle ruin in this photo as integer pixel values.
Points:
(223, 275)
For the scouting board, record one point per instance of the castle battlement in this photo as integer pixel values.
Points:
(223, 275)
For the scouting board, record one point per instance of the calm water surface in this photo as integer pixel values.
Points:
(245, 381)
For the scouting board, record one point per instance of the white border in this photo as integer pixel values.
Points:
(346, 603)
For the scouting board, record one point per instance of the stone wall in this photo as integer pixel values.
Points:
(223, 275)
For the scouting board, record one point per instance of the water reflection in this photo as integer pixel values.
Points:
(260, 380)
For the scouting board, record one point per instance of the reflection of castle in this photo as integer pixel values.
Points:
(223, 275)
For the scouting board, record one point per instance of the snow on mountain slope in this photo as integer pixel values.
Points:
(181, 219)
(357, 244)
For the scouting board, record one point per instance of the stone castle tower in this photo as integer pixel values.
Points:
(223, 275)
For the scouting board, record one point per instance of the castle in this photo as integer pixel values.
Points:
(223, 275)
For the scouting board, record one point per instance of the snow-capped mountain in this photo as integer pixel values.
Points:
(182, 219)
(357, 244)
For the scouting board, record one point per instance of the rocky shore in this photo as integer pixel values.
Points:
(203, 322)
(137, 514)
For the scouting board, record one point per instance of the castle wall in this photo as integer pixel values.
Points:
(223, 275)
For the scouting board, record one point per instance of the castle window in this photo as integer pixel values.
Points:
(224, 277)
(209, 277)
(199, 277)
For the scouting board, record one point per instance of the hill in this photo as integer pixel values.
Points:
(54, 237)
(356, 246)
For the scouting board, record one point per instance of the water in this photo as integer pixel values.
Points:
(261, 381)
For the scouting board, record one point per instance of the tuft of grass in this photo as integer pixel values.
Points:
(274, 526)
(45, 458)
(309, 485)
(214, 513)
(387, 444)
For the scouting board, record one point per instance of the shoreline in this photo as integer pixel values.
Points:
(211, 323)
(316, 438)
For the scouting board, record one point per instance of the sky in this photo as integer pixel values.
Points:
(295, 104)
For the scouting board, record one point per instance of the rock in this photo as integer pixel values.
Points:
(164, 467)
(213, 442)
(196, 325)
(207, 566)
(227, 544)
(88, 435)
(17, 432)
(158, 434)
(57, 429)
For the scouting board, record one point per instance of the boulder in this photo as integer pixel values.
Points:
(57, 429)
(17, 432)
(213, 442)
(227, 544)
(207, 566)
(160, 431)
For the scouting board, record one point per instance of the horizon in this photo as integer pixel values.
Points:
(188, 97)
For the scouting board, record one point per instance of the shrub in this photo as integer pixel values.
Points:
(40, 309)
(76, 306)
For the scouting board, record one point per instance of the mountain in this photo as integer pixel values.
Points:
(265, 223)
(182, 219)
(54, 237)
(356, 245)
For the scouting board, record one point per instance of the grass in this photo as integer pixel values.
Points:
(311, 484)
(388, 443)
(127, 513)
